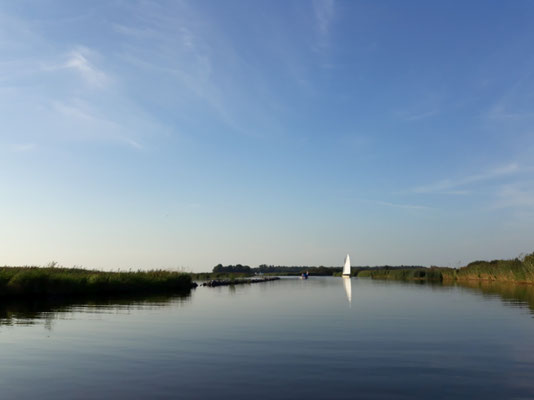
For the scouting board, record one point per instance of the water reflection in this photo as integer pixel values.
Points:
(34, 311)
(512, 294)
(348, 288)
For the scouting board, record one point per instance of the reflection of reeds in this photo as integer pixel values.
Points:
(30, 310)
(510, 293)
(34, 281)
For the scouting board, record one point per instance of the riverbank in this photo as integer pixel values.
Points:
(205, 276)
(228, 282)
(511, 271)
(52, 281)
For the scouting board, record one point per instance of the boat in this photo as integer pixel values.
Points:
(304, 275)
(346, 267)
(346, 279)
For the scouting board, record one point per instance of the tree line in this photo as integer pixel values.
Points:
(297, 269)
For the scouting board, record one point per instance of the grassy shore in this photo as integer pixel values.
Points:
(516, 270)
(427, 274)
(513, 271)
(206, 276)
(52, 281)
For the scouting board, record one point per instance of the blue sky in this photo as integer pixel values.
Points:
(186, 134)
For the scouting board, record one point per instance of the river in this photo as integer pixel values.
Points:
(285, 339)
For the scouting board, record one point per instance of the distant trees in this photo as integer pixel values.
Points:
(239, 269)
(296, 270)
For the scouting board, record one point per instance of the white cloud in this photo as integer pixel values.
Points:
(78, 61)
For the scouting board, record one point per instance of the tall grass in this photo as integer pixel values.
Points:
(36, 281)
(429, 274)
(515, 270)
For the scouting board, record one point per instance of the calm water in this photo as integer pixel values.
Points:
(284, 339)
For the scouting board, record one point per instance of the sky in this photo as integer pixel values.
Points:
(184, 134)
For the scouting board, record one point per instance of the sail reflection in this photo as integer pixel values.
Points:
(348, 288)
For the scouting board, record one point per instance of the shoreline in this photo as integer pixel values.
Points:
(231, 282)
(33, 282)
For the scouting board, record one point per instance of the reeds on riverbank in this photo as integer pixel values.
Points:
(514, 271)
(205, 276)
(427, 274)
(51, 281)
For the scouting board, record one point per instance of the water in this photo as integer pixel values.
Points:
(285, 339)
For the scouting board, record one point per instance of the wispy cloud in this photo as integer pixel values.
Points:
(515, 195)
(88, 124)
(78, 60)
(418, 115)
(405, 206)
(420, 106)
(515, 103)
(23, 147)
(197, 62)
(324, 14)
(74, 110)
(133, 143)
(502, 112)
(457, 186)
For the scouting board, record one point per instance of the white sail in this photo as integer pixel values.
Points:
(346, 267)
(348, 288)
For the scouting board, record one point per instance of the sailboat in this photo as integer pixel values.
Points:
(346, 267)
(346, 279)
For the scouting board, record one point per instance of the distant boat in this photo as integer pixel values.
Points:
(304, 275)
(346, 267)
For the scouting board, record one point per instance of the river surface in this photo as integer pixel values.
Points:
(286, 339)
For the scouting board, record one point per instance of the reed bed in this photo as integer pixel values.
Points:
(427, 274)
(49, 281)
(517, 270)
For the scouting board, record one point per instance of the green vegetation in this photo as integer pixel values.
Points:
(515, 271)
(427, 274)
(233, 269)
(296, 270)
(53, 281)
(228, 271)
(204, 276)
